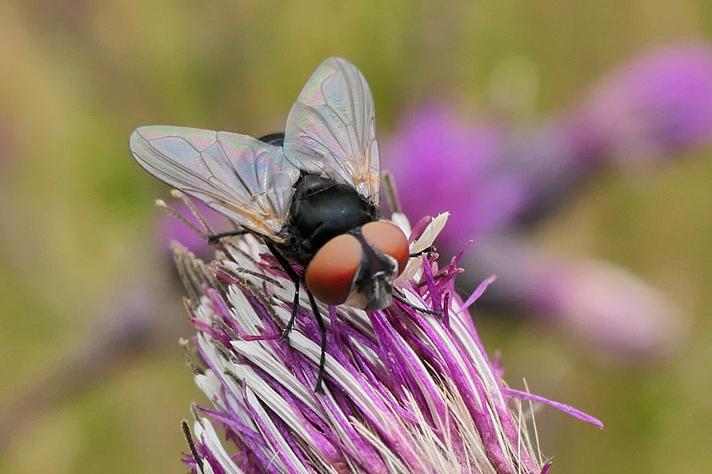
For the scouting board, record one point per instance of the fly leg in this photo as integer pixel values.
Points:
(191, 445)
(389, 185)
(407, 303)
(322, 345)
(426, 250)
(295, 279)
(215, 238)
(295, 304)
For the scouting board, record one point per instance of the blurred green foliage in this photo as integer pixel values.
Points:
(77, 216)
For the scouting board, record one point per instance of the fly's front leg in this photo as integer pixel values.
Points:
(295, 279)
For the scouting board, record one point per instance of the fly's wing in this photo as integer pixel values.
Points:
(239, 176)
(331, 128)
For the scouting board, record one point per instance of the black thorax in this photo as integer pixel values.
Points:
(321, 209)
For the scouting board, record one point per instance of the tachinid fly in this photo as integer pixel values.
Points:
(311, 194)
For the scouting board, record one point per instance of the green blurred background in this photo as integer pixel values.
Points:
(77, 218)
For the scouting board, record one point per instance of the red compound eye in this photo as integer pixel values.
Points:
(389, 239)
(331, 272)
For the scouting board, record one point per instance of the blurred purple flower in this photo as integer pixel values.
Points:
(437, 156)
(609, 307)
(404, 392)
(496, 182)
(600, 303)
(490, 176)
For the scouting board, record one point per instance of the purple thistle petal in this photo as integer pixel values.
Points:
(558, 405)
(479, 291)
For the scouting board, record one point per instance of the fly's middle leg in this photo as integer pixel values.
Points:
(214, 239)
(296, 280)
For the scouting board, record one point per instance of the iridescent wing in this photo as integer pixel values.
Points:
(331, 128)
(241, 177)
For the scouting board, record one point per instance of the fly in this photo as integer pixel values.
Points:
(311, 193)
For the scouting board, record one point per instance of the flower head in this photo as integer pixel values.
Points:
(498, 181)
(493, 177)
(404, 391)
(437, 150)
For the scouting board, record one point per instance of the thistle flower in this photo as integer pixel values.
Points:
(503, 184)
(434, 140)
(404, 391)
(658, 104)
